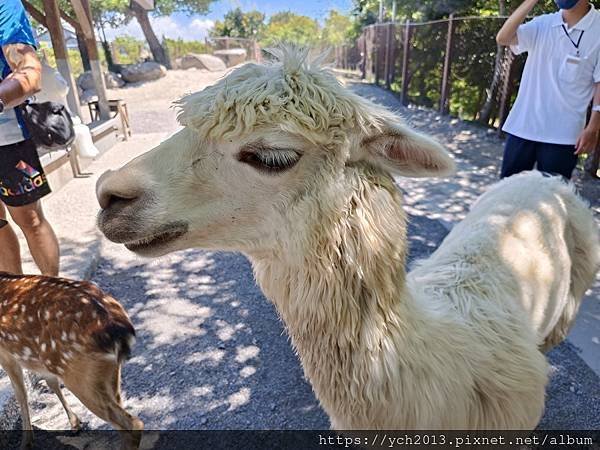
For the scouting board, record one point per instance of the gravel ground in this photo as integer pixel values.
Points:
(211, 352)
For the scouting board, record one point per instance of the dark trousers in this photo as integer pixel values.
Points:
(521, 155)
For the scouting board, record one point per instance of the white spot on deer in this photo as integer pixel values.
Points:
(53, 344)
(23, 308)
(59, 314)
(30, 319)
(37, 340)
(63, 336)
(85, 301)
(60, 370)
(46, 315)
(43, 347)
(78, 315)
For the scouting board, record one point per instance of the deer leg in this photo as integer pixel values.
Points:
(100, 393)
(55, 386)
(14, 372)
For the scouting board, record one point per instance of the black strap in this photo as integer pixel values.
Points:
(569, 36)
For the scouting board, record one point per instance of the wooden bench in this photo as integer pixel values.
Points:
(119, 108)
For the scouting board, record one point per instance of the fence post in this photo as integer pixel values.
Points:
(405, 60)
(377, 53)
(389, 51)
(445, 90)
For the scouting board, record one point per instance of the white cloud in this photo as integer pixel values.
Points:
(188, 29)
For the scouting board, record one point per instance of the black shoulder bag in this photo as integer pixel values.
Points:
(49, 124)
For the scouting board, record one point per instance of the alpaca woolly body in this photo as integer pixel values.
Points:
(284, 164)
(456, 346)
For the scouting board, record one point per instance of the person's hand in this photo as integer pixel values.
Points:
(587, 141)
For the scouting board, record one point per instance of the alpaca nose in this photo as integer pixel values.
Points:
(114, 188)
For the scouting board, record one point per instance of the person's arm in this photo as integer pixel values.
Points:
(508, 33)
(25, 78)
(588, 139)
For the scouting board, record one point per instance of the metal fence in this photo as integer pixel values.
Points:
(453, 65)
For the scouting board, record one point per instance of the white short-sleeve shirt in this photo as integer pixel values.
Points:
(557, 85)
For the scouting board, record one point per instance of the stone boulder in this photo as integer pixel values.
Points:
(232, 56)
(86, 81)
(112, 80)
(146, 71)
(176, 64)
(202, 61)
(88, 95)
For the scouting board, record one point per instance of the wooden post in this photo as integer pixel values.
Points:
(377, 52)
(386, 58)
(84, 16)
(60, 53)
(445, 89)
(405, 61)
(389, 57)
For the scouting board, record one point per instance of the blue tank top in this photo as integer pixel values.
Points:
(14, 29)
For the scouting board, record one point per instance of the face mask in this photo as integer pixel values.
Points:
(566, 4)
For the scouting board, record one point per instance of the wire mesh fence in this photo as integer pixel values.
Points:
(453, 65)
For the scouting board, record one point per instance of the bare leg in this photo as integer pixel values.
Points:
(14, 372)
(10, 254)
(55, 386)
(41, 239)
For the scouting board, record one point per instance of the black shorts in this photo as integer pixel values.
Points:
(22, 179)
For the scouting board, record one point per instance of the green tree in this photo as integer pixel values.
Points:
(337, 28)
(289, 27)
(239, 24)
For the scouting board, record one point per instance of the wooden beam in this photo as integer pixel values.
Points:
(85, 20)
(84, 16)
(35, 13)
(70, 20)
(60, 52)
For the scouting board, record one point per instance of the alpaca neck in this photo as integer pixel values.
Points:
(342, 292)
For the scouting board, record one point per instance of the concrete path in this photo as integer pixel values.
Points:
(211, 352)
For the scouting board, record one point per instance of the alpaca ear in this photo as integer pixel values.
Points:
(405, 152)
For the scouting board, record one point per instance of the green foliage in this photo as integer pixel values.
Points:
(74, 59)
(289, 27)
(240, 25)
(338, 28)
(178, 47)
(127, 49)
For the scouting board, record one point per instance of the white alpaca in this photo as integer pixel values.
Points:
(284, 164)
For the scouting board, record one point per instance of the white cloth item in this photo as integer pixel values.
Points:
(83, 143)
(557, 85)
(54, 87)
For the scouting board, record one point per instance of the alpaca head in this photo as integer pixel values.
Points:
(259, 151)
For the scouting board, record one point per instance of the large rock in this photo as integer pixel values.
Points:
(87, 96)
(232, 56)
(112, 80)
(145, 71)
(202, 61)
(86, 81)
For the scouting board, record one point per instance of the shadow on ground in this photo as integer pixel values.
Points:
(212, 353)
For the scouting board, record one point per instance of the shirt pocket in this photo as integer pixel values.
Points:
(576, 71)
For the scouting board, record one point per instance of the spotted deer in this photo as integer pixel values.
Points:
(67, 331)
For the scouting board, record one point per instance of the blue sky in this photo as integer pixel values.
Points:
(197, 26)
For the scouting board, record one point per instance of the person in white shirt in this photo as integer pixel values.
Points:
(547, 125)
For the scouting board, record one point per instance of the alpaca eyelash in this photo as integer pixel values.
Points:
(270, 160)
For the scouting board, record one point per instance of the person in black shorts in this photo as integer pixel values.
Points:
(22, 179)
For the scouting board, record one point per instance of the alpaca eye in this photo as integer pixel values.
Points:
(270, 160)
